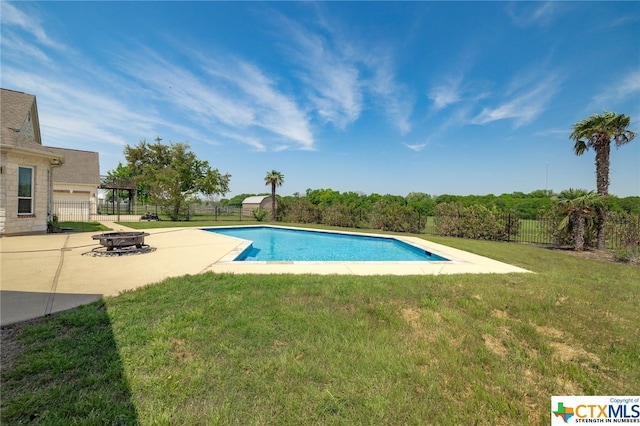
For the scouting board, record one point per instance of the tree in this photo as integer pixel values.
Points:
(274, 178)
(596, 132)
(174, 175)
(578, 207)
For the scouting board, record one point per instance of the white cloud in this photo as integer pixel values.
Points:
(226, 96)
(344, 78)
(71, 112)
(275, 111)
(617, 91)
(416, 147)
(393, 97)
(18, 49)
(526, 14)
(446, 93)
(243, 138)
(522, 105)
(333, 80)
(29, 22)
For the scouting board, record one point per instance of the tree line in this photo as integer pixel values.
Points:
(524, 205)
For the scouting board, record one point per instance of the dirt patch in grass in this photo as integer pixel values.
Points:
(600, 255)
(495, 346)
(11, 347)
(568, 353)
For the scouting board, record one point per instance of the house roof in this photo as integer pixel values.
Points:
(15, 107)
(79, 167)
(256, 199)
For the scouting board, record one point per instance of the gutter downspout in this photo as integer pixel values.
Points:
(56, 162)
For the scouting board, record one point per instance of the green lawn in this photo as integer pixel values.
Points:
(82, 226)
(293, 350)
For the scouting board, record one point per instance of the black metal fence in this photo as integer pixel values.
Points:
(122, 211)
(621, 229)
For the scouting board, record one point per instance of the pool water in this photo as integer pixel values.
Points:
(280, 244)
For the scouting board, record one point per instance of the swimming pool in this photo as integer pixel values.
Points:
(285, 244)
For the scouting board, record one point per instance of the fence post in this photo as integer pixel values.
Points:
(508, 227)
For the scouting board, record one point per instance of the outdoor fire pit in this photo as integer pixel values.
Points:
(121, 242)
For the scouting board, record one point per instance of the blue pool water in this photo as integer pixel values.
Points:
(279, 244)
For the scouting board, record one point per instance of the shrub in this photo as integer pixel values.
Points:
(53, 226)
(476, 221)
(259, 214)
(301, 210)
(395, 217)
(340, 215)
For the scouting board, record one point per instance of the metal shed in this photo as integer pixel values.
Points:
(252, 203)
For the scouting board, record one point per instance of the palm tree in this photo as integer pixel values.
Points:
(597, 132)
(578, 207)
(273, 178)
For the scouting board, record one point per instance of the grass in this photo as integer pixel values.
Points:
(83, 226)
(285, 349)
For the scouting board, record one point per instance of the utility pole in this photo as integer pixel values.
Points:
(546, 180)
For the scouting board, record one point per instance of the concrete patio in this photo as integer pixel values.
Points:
(43, 274)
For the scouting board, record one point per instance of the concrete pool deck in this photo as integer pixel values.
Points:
(43, 274)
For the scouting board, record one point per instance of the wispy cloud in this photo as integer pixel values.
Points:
(618, 91)
(522, 103)
(18, 49)
(333, 81)
(416, 147)
(29, 22)
(245, 139)
(343, 78)
(446, 93)
(394, 98)
(78, 114)
(526, 14)
(227, 96)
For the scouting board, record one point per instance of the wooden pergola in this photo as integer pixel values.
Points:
(117, 184)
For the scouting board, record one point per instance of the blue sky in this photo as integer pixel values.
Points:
(386, 97)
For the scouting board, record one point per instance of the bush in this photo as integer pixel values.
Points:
(301, 210)
(340, 215)
(259, 214)
(53, 226)
(392, 216)
(627, 254)
(476, 221)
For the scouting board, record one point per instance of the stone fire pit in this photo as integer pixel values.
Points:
(122, 242)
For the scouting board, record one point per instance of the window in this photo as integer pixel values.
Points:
(25, 190)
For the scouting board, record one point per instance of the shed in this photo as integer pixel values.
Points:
(256, 202)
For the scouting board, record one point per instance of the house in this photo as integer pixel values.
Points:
(26, 184)
(256, 202)
(75, 184)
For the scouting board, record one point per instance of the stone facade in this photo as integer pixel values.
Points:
(11, 223)
(21, 146)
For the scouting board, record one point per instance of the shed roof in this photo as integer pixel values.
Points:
(256, 199)
(79, 167)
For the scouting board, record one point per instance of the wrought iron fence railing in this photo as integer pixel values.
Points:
(621, 230)
(120, 211)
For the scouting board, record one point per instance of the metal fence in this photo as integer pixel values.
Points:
(122, 211)
(621, 230)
